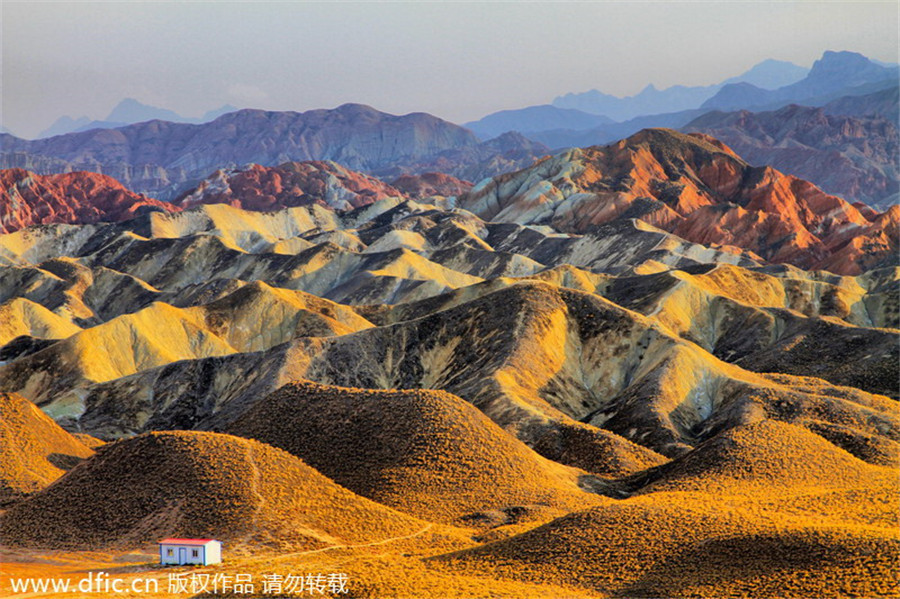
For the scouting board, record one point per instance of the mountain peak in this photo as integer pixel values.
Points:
(355, 108)
(771, 74)
(64, 124)
(130, 110)
(845, 58)
(850, 64)
(212, 115)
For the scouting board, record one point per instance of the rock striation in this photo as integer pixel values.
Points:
(265, 189)
(29, 199)
(851, 157)
(697, 188)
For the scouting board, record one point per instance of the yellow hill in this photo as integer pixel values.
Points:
(34, 450)
(690, 544)
(254, 317)
(766, 454)
(428, 453)
(192, 484)
(25, 317)
(258, 316)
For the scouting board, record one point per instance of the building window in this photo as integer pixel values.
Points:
(195, 553)
(170, 552)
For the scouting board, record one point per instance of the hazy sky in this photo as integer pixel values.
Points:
(458, 60)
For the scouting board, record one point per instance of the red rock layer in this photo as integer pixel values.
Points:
(699, 189)
(431, 184)
(291, 184)
(76, 198)
(855, 157)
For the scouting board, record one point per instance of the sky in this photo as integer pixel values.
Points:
(456, 60)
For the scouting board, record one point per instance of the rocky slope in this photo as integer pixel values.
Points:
(28, 199)
(291, 184)
(884, 104)
(851, 157)
(430, 184)
(699, 189)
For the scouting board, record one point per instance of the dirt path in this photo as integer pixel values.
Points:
(425, 529)
(254, 487)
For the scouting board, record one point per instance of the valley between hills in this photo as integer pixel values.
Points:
(644, 369)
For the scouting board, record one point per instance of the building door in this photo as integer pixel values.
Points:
(182, 555)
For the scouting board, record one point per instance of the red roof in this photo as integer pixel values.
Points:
(185, 541)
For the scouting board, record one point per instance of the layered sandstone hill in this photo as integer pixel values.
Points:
(167, 344)
(22, 316)
(691, 186)
(430, 184)
(253, 317)
(34, 450)
(291, 184)
(534, 357)
(848, 156)
(28, 199)
(192, 484)
(697, 188)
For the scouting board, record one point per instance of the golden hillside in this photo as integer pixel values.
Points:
(678, 545)
(767, 454)
(764, 510)
(34, 450)
(424, 452)
(193, 484)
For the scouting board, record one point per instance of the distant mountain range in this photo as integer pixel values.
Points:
(769, 74)
(835, 75)
(508, 152)
(162, 158)
(854, 157)
(127, 112)
(534, 119)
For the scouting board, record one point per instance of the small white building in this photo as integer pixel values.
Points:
(190, 551)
